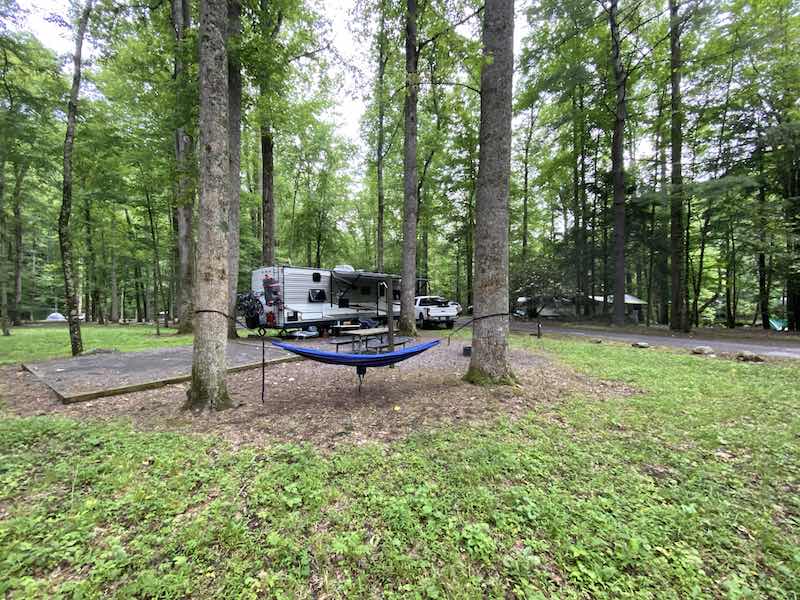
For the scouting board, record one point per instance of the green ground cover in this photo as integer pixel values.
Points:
(690, 489)
(32, 343)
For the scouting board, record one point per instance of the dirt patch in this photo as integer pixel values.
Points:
(312, 402)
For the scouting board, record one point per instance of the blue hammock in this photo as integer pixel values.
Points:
(359, 361)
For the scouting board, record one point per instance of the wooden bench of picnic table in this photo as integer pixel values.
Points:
(383, 343)
(341, 341)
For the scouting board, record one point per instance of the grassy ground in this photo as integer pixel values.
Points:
(752, 334)
(42, 342)
(689, 490)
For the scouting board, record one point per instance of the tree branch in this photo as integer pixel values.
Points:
(439, 34)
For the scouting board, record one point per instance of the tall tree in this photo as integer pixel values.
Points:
(65, 241)
(410, 204)
(618, 160)
(678, 315)
(234, 149)
(184, 180)
(4, 321)
(380, 152)
(490, 330)
(208, 388)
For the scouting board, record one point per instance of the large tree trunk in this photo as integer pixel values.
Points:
(185, 183)
(267, 196)
(234, 149)
(490, 331)
(15, 313)
(410, 206)
(65, 241)
(379, 150)
(208, 387)
(4, 322)
(618, 164)
(678, 315)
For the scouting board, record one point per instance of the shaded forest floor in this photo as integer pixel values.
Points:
(317, 403)
(680, 478)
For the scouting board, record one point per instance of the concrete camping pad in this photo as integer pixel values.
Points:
(109, 373)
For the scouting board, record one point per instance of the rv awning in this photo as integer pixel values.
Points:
(629, 299)
(353, 277)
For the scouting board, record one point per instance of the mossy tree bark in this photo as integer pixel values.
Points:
(489, 362)
(208, 387)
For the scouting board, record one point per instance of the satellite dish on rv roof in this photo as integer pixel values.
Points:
(346, 268)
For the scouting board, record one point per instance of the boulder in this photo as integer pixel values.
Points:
(640, 345)
(704, 350)
(747, 356)
(595, 341)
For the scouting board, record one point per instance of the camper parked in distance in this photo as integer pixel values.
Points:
(286, 297)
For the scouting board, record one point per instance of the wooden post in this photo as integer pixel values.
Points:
(390, 311)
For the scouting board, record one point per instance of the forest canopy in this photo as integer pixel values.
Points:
(656, 147)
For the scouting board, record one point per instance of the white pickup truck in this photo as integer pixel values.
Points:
(433, 310)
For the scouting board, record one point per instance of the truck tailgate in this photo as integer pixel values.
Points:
(442, 311)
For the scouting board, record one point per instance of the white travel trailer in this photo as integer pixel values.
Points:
(297, 297)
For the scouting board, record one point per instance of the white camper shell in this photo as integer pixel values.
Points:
(297, 297)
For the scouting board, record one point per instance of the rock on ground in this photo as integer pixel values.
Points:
(704, 350)
(747, 356)
(640, 345)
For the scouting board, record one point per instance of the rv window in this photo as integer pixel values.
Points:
(316, 295)
(396, 294)
(316, 277)
(382, 291)
(365, 291)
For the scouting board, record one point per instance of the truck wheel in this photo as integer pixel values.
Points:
(450, 324)
(420, 321)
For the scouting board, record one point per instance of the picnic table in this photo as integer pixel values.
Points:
(374, 339)
(343, 328)
(362, 336)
